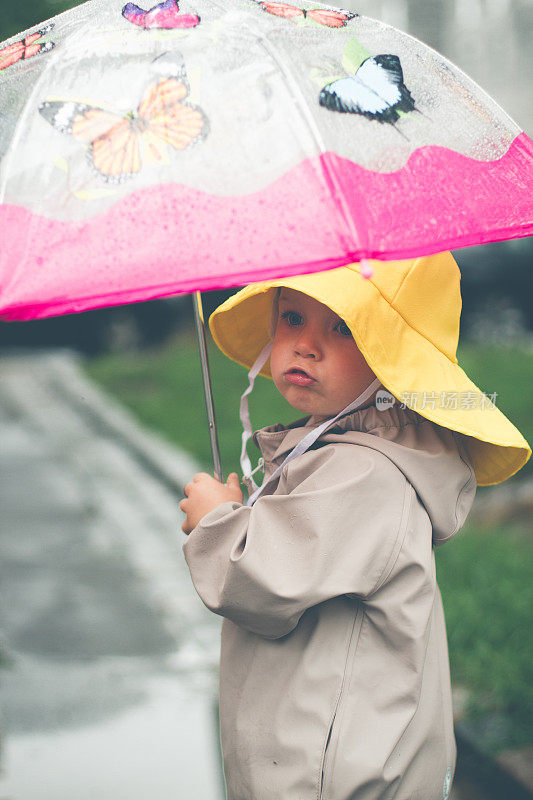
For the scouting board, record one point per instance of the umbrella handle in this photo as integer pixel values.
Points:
(208, 393)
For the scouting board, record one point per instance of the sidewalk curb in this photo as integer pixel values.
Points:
(174, 467)
(110, 641)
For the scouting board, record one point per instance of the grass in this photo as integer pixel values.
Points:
(163, 388)
(509, 372)
(484, 575)
(485, 580)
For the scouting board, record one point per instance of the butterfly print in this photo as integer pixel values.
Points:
(376, 91)
(332, 18)
(116, 142)
(25, 48)
(163, 16)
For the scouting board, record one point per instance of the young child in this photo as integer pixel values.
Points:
(334, 674)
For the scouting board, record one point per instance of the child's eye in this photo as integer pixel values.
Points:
(292, 317)
(343, 329)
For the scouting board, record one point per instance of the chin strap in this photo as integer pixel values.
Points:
(313, 435)
(244, 414)
(302, 446)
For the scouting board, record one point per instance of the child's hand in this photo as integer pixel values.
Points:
(206, 493)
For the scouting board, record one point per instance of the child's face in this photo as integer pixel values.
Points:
(315, 362)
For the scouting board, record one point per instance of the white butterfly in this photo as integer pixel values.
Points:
(375, 91)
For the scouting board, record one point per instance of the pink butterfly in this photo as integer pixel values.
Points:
(165, 15)
(26, 48)
(331, 17)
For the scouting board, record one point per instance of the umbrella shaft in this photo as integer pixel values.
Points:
(208, 393)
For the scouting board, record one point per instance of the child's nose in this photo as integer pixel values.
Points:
(307, 345)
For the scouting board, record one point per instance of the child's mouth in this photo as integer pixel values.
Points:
(299, 377)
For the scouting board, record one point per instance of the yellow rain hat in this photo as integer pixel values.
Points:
(405, 321)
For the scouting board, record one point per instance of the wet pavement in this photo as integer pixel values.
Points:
(109, 682)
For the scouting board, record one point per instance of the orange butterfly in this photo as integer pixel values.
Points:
(115, 142)
(332, 18)
(25, 48)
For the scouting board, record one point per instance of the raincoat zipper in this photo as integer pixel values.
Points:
(338, 702)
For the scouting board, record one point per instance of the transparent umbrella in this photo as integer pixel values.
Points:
(152, 151)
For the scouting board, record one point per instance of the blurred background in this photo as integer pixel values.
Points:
(145, 355)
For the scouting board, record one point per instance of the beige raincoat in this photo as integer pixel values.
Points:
(334, 674)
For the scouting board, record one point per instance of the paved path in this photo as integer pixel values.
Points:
(110, 687)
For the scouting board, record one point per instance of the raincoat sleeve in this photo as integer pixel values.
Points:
(333, 527)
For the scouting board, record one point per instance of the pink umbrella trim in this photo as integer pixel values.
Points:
(323, 213)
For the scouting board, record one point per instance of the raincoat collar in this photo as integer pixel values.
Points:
(277, 440)
(432, 458)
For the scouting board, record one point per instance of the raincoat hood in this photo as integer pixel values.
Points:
(432, 458)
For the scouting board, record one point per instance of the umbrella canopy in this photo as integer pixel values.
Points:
(157, 150)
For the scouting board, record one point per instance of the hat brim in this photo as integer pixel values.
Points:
(410, 366)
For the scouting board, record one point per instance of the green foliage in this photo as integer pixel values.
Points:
(164, 389)
(485, 581)
(508, 372)
(17, 17)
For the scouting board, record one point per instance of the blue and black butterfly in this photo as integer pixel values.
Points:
(376, 91)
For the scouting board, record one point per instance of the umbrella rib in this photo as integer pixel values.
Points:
(313, 127)
(316, 135)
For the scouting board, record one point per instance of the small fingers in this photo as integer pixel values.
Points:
(183, 507)
(199, 476)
